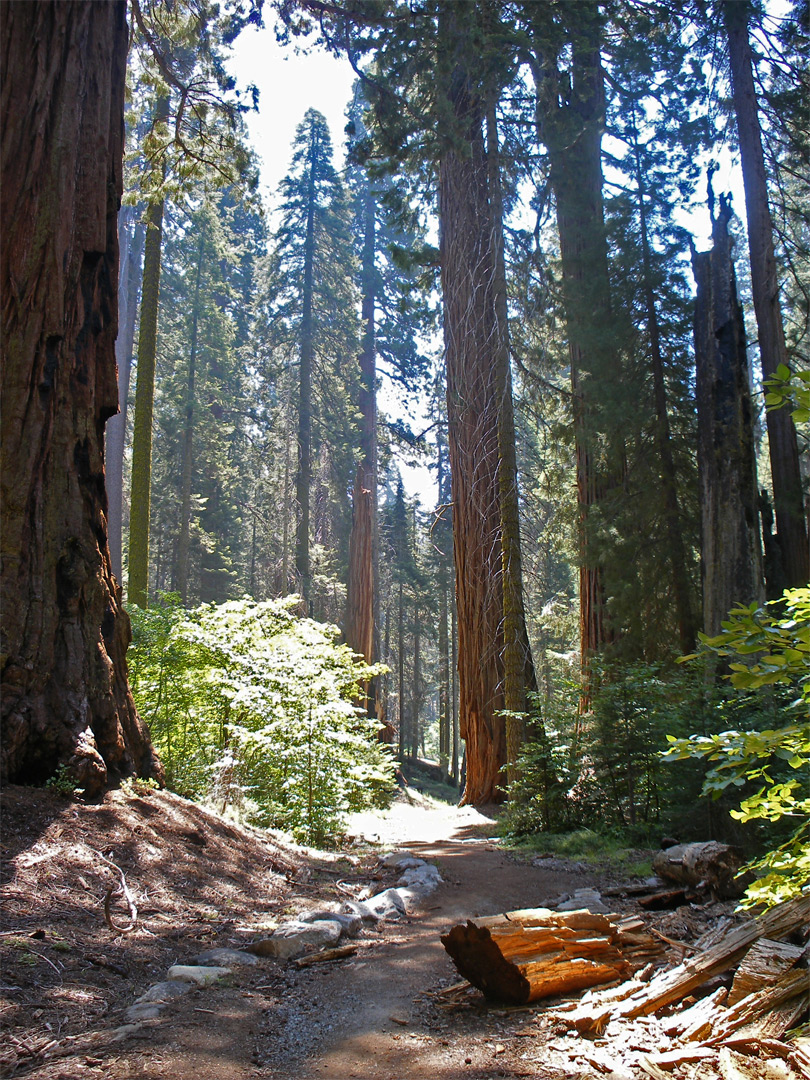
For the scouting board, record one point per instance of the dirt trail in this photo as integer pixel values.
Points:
(373, 1020)
(68, 981)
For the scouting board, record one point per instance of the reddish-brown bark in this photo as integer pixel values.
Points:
(473, 411)
(65, 697)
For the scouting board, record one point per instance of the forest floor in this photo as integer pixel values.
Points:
(199, 883)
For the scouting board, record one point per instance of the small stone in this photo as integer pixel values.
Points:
(350, 922)
(387, 905)
(291, 939)
(193, 973)
(394, 859)
(362, 910)
(164, 991)
(124, 1030)
(145, 1011)
(579, 903)
(226, 957)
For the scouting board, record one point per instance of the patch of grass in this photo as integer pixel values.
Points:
(589, 846)
(641, 868)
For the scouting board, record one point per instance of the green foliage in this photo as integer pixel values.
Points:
(775, 641)
(791, 388)
(134, 786)
(62, 782)
(249, 704)
(604, 768)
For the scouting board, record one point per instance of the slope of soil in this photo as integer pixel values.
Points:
(199, 883)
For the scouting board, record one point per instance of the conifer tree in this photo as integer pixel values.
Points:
(316, 302)
(195, 112)
(392, 314)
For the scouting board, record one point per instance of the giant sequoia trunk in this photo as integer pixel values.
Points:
(791, 527)
(730, 545)
(518, 667)
(65, 697)
(472, 410)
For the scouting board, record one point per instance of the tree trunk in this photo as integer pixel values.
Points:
(681, 592)
(518, 665)
(571, 120)
(472, 409)
(303, 476)
(445, 712)
(184, 539)
(363, 591)
(791, 526)
(401, 674)
(730, 547)
(115, 432)
(416, 694)
(65, 698)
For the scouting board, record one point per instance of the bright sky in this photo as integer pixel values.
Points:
(289, 84)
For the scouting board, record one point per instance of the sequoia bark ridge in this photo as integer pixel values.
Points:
(65, 697)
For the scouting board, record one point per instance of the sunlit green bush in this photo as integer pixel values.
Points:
(769, 647)
(252, 706)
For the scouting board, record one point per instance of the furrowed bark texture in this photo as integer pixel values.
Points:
(518, 667)
(791, 526)
(65, 697)
(472, 410)
(730, 543)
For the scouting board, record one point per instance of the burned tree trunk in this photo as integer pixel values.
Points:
(65, 698)
(731, 561)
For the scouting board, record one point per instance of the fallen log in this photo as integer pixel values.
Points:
(522, 956)
(707, 867)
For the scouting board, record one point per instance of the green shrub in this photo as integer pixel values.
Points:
(769, 649)
(250, 705)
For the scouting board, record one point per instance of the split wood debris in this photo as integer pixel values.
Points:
(522, 956)
(694, 1017)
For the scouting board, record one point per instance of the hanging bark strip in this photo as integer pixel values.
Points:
(65, 698)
